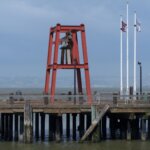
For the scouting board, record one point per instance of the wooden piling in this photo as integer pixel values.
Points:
(104, 127)
(113, 127)
(61, 124)
(148, 127)
(21, 124)
(88, 120)
(88, 123)
(51, 126)
(96, 132)
(2, 126)
(68, 125)
(10, 127)
(143, 130)
(123, 128)
(128, 129)
(74, 125)
(57, 133)
(6, 127)
(42, 126)
(135, 128)
(81, 124)
(16, 127)
(28, 126)
(37, 126)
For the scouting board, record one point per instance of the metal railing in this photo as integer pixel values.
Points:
(100, 98)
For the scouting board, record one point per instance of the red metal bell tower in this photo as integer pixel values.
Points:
(70, 57)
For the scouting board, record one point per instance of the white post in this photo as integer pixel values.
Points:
(121, 71)
(127, 90)
(134, 86)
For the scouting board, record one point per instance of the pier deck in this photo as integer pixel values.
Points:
(124, 119)
(61, 107)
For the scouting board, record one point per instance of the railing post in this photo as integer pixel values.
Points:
(28, 126)
(46, 99)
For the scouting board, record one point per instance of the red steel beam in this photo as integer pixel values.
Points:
(67, 66)
(53, 66)
(47, 80)
(65, 28)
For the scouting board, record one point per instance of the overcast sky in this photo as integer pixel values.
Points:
(24, 30)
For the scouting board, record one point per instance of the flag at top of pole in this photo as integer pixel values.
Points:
(124, 26)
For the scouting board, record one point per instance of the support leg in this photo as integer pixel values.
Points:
(42, 126)
(10, 130)
(143, 131)
(148, 127)
(16, 127)
(28, 123)
(128, 129)
(104, 127)
(6, 127)
(51, 126)
(113, 128)
(57, 134)
(37, 126)
(68, 125)
(81, 124)
(21, 124)
(74, 126)
(2, 126)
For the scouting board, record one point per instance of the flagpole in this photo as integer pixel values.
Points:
(127, 90)
(121, 72)
(134, 87)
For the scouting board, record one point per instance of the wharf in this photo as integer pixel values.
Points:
(138, 106)
(31, 118)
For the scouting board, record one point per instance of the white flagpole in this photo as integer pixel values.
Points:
(121, 73)
(127, 90)
(134, 87)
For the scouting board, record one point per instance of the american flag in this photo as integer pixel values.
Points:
(124, 26)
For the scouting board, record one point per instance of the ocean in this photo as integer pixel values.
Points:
(103, 145)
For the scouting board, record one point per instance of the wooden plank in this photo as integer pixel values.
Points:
(37, 110)
(95, 122)
(129, 110)
(28, 126)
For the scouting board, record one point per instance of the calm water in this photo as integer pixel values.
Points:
(105, 145)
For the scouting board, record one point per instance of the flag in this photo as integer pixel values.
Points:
(124, 26)
(138, 26)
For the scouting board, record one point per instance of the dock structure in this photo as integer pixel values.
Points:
(31, 120)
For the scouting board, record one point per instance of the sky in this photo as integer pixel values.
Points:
(24, 31)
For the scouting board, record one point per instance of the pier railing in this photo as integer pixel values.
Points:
(109, 98)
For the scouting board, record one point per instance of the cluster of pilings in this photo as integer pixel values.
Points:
(69, 126)
(43, 126)
(29, 126)
(11, 126)
(123, 126)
